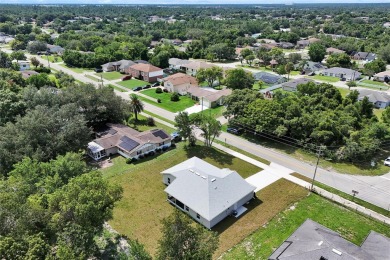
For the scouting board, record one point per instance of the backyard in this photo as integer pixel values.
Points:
(166, 103)
(349, 224)
(139, 213)
(373, 84)
(52, 58)
(112, 75)
(132, 83)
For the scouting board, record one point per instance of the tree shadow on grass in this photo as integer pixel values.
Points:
(230, 220)
(203, 152)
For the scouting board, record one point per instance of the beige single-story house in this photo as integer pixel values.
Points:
(332, 50)
(128, 142)
(209, 97)
(179, 83)
(341, 73)
(205, 192)
(175, 63)
(383, 76)
(193, 67)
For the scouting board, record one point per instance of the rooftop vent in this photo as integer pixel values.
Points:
(197, 173)
(204, 177)
(213, 180)
(191, 170)
(320, 243)
(337, 251)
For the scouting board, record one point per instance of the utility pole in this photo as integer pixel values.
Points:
(48, 62)
(315, 170)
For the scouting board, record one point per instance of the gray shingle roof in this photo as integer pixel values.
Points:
(313, 241)
(205, 188)
(374, 96)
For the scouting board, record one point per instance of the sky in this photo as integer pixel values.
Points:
(185, 1)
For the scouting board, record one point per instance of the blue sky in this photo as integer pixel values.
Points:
(186, 1)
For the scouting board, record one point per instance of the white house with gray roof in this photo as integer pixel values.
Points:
(379, 99)
(339, 72)
(206, 193)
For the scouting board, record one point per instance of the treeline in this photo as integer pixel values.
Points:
(314, 116)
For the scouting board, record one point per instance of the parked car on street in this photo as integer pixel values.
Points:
(98, 70)
(127, 77)
(387, 161)
(137, 88)
(233, 130)
(155, 84)
(146, 87)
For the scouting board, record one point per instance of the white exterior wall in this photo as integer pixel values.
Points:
(165, 178)
(24, 65)
(205, 102)
(156, 73)
(113, 150)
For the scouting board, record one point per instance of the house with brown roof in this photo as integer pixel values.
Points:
(383, 76)
(128, 142)
(304, 43)
(179, 83)
(146, 72)
(193, 67)
(209, 97)
(332, 50)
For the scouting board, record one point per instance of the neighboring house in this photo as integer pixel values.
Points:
(269, 78)
(175, 63)
(312, 66)
(6, 39)
(364, 56)
(177, 42)
(127, 142)
(378, 98)
(208, 97)
(23, 64)
(383, 76)
(285, 45)
(121, 65)
(179, 83)
(305, 43)
(55, 49)
(314, 241)
(146, 72)
(332, 50)
(293, 84)
(141, 62)
(206, 193)
(28, 73)
(193, 67)
(342, 73)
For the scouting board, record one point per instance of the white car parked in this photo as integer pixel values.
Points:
(387, 161)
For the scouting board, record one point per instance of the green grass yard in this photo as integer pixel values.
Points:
(378, 112)
(349, 224)
(141, 124)
(77, 70)
(92, 78)
(113, 75)
(344, 92)
(116, 88)
(52, 58)
(166, 103)
(132, 83)
(325, 78)
(139, 213)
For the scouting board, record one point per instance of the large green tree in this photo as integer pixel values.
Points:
(182, 240)
(239, 79)
(209, 75)
(183, 125)
(317, 52)
(136, 105)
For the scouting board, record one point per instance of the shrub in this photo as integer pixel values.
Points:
(164, 148)
(150, 121)
(175, 97)
(42, 70)
(165, 90)
(173, 145)
(129, 160)
(159, 90)
(158, 100)
(141, 156)
(151, 153)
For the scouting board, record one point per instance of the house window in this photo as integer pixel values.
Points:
(139, 152)
(169, 180)
(197, 216)
(187, 208)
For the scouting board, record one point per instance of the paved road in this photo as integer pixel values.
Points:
(375, 190)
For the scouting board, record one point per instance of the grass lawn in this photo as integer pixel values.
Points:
(215, 112)
(113, 75)
(116, 88)
(53, 78)
(344, 195)
(139, 213)
(378, 112)
(166, 103)
(295, 72)
(373, 84)
(349, 224)
(132, 83)
(77, 70)
(159, 117)
(142, 125)
(358, 168)
(325, 78)
(344, 92)
(52, 58)
(92, 78)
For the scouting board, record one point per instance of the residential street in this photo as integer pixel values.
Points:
(375, 190)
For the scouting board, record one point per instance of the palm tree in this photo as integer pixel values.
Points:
(136, 105)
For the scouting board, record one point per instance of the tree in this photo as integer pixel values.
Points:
(239, 79)
(182, 240)
(384, 53)
(5, 60)
(11, 105)
(376, 66)
(221, 51)
(39, 80)
(18, 55)
(136, 105)
(351, 84)
(386, 116)
(339, 60)
(35, 62)
(249, 59)
(36, 46)
(295, 58)
(237, 102)
(317, 52)
(183, 125)
(210, 127)
(288, 68)
(261, 84)
(209, 75)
